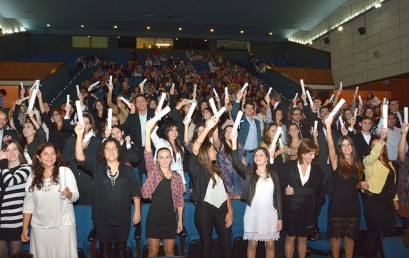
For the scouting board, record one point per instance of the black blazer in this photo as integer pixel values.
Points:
(362, 148)
(132, 127)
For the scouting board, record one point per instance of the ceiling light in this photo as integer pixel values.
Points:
(211, 30)
(119, 37)
(180, 28)
(48, 25)
(242, 31)
(148, 28)
(176, 38)
(378, 5)
(340, 28)
(89, 36)
(205, 40)
(310, 42)
(82, 26)
(115, 27)
(270, 33)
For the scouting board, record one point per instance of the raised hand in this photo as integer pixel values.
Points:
(79, 129)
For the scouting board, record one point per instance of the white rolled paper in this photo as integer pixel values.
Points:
(25, 98)
(356, 112)
(269, 91)
(360, 100)
(356, 90)
(94, 84)
(237, 122)
(21, 83)
(387, 103)
(78, 89)
(384, 101)
(302, 86)
(340, 85)
(244, 87)
(215, 92)
(331, 99)
(405, 114)
(62, 178)
(220, 113)
(281, 143)
(68, 99)
(79, 112)
(385, 116)
(143, 82)
(173, 86)
(309, 97)
(109, 122)
(192, 101)
(32, 98)
(341, 122)
(159, 116)
(213, 106)
(226, 92)
(275, 139)
(190, 113)
(110, 79)
(336, 109)
(124, 100)
(296, 95)
(195, 87)
(315, 125)
(161, 101)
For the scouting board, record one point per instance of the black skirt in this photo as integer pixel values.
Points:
(11, 234)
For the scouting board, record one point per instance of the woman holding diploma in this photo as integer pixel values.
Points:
(14, 174)
(213, 202)
(164, 186)
(262, 192)
(344, 210)
(115, 186)
(51, 191)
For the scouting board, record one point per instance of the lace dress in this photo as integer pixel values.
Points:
(260, 219)
(343, 210)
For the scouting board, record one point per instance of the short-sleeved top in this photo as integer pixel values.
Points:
(112, 205)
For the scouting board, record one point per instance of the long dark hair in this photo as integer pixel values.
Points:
(290, 139)
(178, 147)
(227, 147)
(38, 168)
(306, 146)
(266, 138)
(209, 165)
(21, 157)
(121, 155)
(254, 176)
(54, 125)
(196, 134)
(355, 161)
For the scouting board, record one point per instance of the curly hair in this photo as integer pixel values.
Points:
(38, 168)
(121, 154)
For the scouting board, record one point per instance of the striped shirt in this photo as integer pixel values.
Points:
(13, 182)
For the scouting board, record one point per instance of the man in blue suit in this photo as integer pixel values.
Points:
(250, 132)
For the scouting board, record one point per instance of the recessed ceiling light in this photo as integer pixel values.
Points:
(119, 37)
(270, 33)
(176, 38)
(211, 30)
(205, 40)
(340, 28)
(242, 31)
(89, 36)
(148, 28)
(115, 27)
(82, 26)
(48, 25)
(378, 5)
(180, 28)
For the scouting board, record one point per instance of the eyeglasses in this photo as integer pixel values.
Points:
(115, 149)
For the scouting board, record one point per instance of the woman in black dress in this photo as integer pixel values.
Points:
(343, 209)
(115, 186)
(165, 188)
(304, 195)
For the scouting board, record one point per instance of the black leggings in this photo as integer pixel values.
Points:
(207, 215)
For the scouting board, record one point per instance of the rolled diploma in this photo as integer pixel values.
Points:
(385, 116)
(387, 103)
(269, 91)
(94, 84)
(159, 116)
(213, 106)
(275, 139)
(341, 122)
(173, 86)
(315, 125)
(215, 92)
(32, 98)
(244, 87)
(384, 101)
(62, 178)
(340, 85)
(195, 88)
(190, 112)
(220, 113)
(405, 114)
(237, 122)
(302, 86)
(356, 112)
(331, 99)
(336, 108)
(25, 98)
(161, 100)
(68, 99)
(309, 97)
(360, 99)
(21, 84)
(110, 79)
(143, 82)
(124, 100)
(356, 90)
(79, 112)
(281, 143)
(109, 122)
(78, 89)
(226, 92)
(296, 95)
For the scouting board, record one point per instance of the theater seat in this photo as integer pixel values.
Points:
(84, 225)
(393, 247)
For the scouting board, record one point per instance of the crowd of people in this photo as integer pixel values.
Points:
(282, 161)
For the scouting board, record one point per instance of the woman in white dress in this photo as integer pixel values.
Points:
(262, 193)
(50, 193)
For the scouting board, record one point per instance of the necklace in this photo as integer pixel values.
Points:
(262, 175)
(112, 177)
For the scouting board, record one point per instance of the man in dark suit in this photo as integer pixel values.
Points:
(363, 138)
(5, 131)
(394, 108)
(303, 123)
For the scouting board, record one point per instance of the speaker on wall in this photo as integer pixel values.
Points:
(361, 30)
(326, 40)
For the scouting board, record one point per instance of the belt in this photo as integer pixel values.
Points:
(249, 151)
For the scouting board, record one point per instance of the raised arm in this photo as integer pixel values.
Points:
(377, 149)
(199, 141)
(402, 142)
(16, 113)
(238, 165)
(331, 146)
(79, 151)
